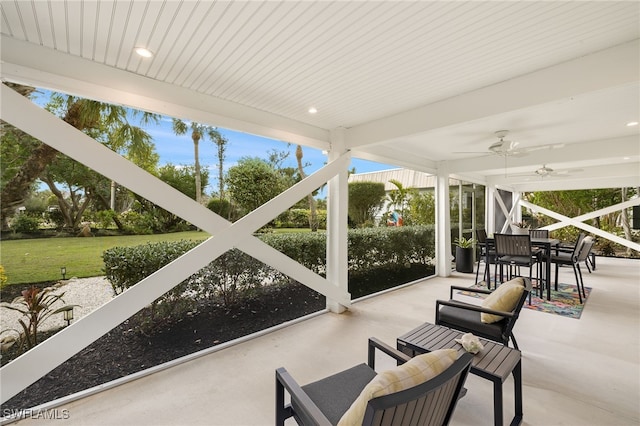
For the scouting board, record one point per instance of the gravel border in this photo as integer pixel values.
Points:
(87, 293)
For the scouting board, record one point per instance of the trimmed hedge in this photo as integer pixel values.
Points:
(235, 275)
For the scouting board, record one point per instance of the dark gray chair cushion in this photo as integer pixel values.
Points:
(334, 394)
(469, 321)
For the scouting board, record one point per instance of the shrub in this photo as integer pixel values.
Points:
(25, 223)
(138, 223)
(55, 216)
(235, 275)
(104, 218)
(229, 278)
(3, 277)
(299, 218)
(224, 208)
(308, 248)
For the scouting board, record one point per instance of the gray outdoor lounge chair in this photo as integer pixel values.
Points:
(324, 402)
(467, 317)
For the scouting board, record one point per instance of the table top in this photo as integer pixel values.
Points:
(535, 240)
(494, 360)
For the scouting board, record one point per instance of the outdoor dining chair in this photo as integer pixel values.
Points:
(539, 233)
(422, 390)
(579, 254)
(515, 251)
(487, 255)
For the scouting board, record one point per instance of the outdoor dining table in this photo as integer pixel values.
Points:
(545, 243)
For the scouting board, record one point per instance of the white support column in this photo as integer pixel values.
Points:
(517, 210)
(443, 222)
(490, 209)
(337, 227)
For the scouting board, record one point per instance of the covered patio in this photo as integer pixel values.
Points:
(575, 371)
(419, 85)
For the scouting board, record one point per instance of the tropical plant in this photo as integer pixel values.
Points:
(36, 305)
(198, 131)
(398, 199)
(464, 242)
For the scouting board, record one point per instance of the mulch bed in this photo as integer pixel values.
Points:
(99, 363)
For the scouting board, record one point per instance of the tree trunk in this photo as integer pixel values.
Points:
(313, 216)
(196, 139)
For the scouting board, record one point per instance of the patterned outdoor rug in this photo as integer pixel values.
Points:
(564, 302)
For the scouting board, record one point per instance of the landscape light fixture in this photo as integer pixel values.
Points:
(63, 271)
(67, 314)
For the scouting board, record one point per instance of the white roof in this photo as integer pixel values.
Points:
(408, 178)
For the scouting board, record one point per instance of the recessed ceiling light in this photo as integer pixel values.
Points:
(313, 110)
(144, 52)
(632, 123)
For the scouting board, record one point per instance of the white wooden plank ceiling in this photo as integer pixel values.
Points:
(409, 68)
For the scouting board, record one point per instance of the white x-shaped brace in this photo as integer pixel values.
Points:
(578, 220)
(23, 114)
(508, 214)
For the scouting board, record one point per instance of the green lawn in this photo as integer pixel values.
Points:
(39, 260)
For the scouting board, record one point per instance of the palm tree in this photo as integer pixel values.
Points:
(197, 132)
(399, 197)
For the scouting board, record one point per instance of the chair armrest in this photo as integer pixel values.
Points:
(284, 380)
(374, 344)
(482, 309)
(470, 289)
(563, 249)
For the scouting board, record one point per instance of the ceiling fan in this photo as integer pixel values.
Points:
(507, 148)
(546, 171)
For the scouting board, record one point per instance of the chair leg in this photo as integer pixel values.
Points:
(478, 270)
(584, 294)
(575, 272)
(513, 338)
(487, 275)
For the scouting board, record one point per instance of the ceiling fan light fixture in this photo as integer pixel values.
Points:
(544, 171)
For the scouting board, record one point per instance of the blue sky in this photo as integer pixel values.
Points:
(178, 150)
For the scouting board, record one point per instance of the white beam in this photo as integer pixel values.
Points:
(613, 67)
(34, 65)
(405, 160)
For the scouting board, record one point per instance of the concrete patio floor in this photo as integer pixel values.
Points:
(575, 371)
